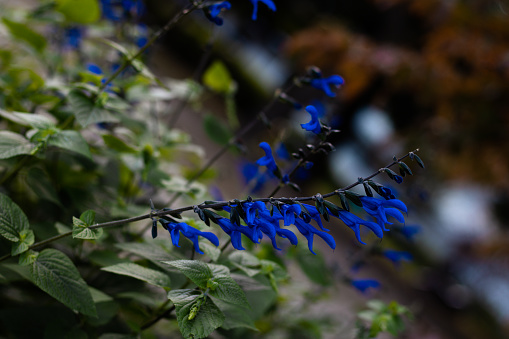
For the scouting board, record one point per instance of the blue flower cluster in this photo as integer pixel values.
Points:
(260, 221)
(213, 11)
(118, 10)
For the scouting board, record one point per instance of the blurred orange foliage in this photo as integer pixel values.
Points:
(458, 76)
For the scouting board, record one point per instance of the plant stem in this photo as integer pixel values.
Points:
(190, 8)
(218, 204)
(230, 143)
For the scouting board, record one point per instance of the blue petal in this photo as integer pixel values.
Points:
(314, 124)
(363, 284)
(396, 214)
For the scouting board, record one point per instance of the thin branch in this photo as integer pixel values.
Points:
(190, 8)
(218, 204)
(260, 116)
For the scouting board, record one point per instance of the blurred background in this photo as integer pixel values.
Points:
(427, 74)
(431, 75)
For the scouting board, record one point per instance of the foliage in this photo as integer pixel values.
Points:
(88, 139)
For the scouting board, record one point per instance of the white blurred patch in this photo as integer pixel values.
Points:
(463, 211)
(346, 164)
(373, 126)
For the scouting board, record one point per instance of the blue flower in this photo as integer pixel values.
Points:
(282, 152)
(285, 179)
(268, 159)
(269, 4)
(315, 215)
(309, 231)
(73, 37)
(273, 222)
(308, 165)
(289, 212)
(94, 69)
(387, 193)
(324, 84)
(381, 208)
(409, 232)
(320, 107)
(398, 178)
(249, 171)
(189, 232)
(354, 222)
(314, 125)
(251, 207)
(363, 284)
(212, 12)
(117, 10)
(235, 232)
(397, 256)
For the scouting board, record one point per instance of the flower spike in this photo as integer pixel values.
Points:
(314, 125)
(269, 4)
(325, 84)
(212, 12)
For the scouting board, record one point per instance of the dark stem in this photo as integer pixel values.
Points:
(196, 77)
(218, 204)
(190, 8)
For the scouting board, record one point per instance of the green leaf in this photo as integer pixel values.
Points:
(198, 272)
(27, 258)
(70, 140)
(314, 267)
(39, 182)
(244, 259)
(12, 144)
(150, 251)
(246, 262)
(24, 33)
(235, 316)
(148, 275)
(12, 219)
(88, 217)
(37, 121)
(81, 230)
(26, 238)
(216, 130)
(79, 11)
(210, 250)
(55, 274)
(117, 144)
(228, 290)
(86, 111)
(218, 79)
(205, 321)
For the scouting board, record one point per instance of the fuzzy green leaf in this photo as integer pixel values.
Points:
(12, 219)
(204, 320)
(86, 111)
(216, 130)
(12, 144)
(24, 33)
(81, 227)
(148, 275)
(70, 140)
(235, 316)
(198, 272)
(55, 274)
(228, 290)
(218, 79)
(26, 238)
(79, 11)
(117, 144)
